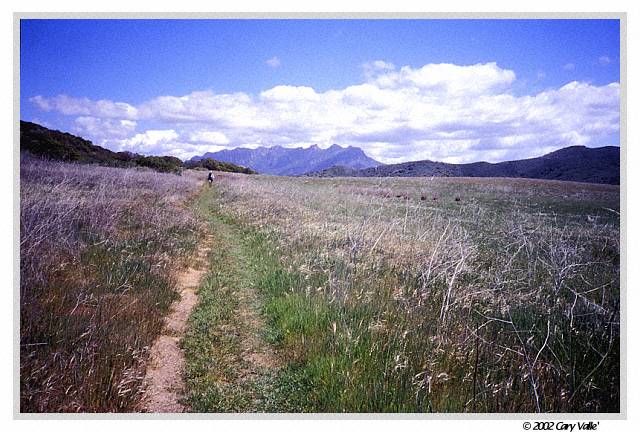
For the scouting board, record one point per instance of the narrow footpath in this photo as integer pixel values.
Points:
(212, 355)
(163, 384)
(229, 364)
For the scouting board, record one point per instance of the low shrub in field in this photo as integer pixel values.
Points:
(98, 250)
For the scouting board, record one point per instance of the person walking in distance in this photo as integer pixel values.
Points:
(210, 178)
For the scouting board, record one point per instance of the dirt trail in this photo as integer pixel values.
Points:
(163, 384)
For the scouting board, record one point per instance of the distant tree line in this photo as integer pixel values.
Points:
(215, 165)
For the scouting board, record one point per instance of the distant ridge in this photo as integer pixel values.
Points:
(279, 160)
(576, 163)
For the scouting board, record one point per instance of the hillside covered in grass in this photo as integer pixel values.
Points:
(51, 144)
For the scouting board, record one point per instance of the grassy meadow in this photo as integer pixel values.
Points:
(435, 295)
(373, 294)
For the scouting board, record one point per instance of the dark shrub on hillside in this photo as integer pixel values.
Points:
(214, 165)
(159, 163)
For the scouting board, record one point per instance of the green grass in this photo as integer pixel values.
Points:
(338, 357)
(210, 350)
(211, 344)
(505, 302)
(326, 372)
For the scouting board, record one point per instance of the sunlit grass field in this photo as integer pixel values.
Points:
(438, 294)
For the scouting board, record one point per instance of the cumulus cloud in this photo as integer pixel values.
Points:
(225, 110)
(68, 105)
(151, 138)
(438, 111)
(151, 142)
(373, 68)
(212, 137)
(448, 79)
(104, 128)
(273, 62)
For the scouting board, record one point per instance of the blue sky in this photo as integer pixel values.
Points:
(454, 90)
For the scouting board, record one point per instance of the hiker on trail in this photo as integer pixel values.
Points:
(210, 178)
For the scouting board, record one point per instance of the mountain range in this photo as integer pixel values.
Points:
(279, 160)
(576, 163)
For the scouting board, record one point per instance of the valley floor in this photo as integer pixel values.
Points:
(276, 294)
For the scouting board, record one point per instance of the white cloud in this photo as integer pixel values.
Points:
(569, 67)
(274, 62)
(370, 69)
(150, 142)
(449, 79)
(41, 103)
(227, 110)
(169, 143)
(104, 128)
(212, 137)
(285, 93)
(438, 111)
(85, 107)
(604, 60)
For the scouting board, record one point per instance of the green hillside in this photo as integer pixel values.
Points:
(55, 145)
